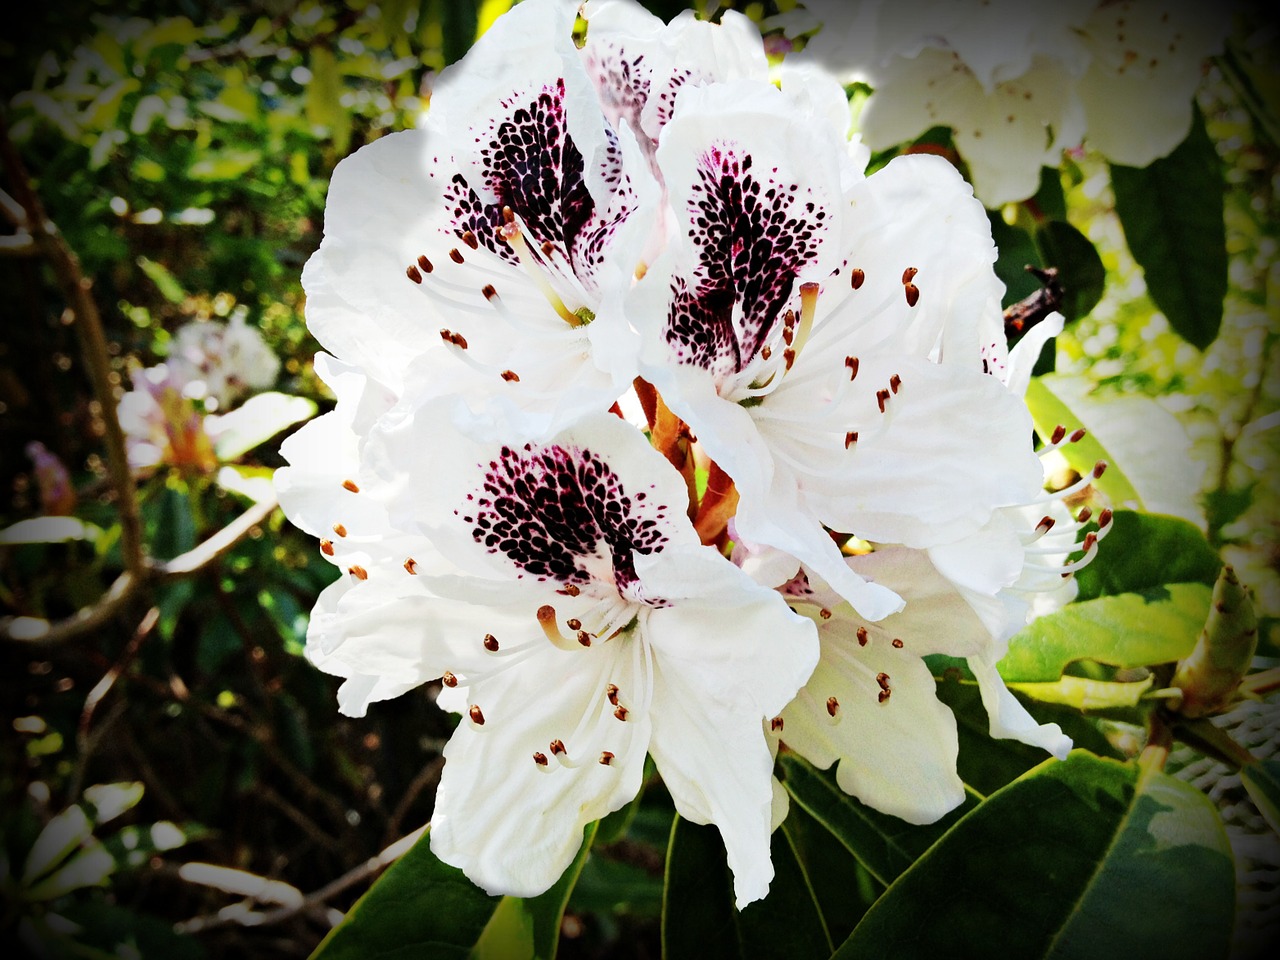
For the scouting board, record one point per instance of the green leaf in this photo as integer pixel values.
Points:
(530, 929)
(49, 530)
(1050, 201)
(884, 844)
(218, 165)
(324, 98)
(419, 908)
(699, 919)
(61, 835)
(1078, 859)
(1171, 212)
(1147, 550)
(1262, 780)
(1090, 695)
(165, 281)
(1017, 250)
(255, 421)
(1126, 630)
(1080, 269)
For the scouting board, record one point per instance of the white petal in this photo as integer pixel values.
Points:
(897, 755)
(511, 823)
(722, 665)
(1009, 720)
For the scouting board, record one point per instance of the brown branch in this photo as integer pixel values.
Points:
(1027, 312)
(36, 630)
(76, 288)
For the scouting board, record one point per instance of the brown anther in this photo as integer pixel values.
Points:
(913, 294)
(606, 757)
(1045, 525)
(1078, 435)
(448, 679)
(788, 334)
(413, 273)
(540, 758)
(456, 256)
(458, 340)
(775, 723)
(572, 589)
(573, 623)
(1058, 433)
(894, 383)
(611, 691)
(909, 274)
(426, 265)
(510, 376)
(856, 278)
(326, 547)
(1084, 515)
(491, 643)
(621, 712)
(339, 529)
(883, 680)
(824, 613)
(788, 357)
(833, 706)
(410, 565)
(557, 748)
(476, 714)
(765, 352)
(546, 613)
(508, 215)
(1090, 539)
(357, 571)
(852, 364)
(350, 485)
(584, 638)
(897, 643)
(470, 240)
(446, 335)
(1104, 518)
(1099, 469)
(881, 397)
(489, 291)
(850, 439)
(862, 636)
(885, 695)
(547, 248)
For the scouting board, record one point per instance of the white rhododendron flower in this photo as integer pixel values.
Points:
(618, 313)
(161, 423)
(1019, 82)
(577, 622)
(221, 363)
(793, 322)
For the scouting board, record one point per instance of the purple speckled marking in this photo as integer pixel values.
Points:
(551, 510)
(621, 80)
(753, 235)
(532, 165)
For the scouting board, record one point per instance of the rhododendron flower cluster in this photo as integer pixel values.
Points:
(1020, 82)
(663, 429)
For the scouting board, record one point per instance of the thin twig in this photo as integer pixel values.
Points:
(200, 556)
(1027, 312)
(76, 288)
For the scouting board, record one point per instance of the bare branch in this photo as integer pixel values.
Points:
(76, 288)
(217, 545)
(1027, 312)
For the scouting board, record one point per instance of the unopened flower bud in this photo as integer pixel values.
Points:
(1210, 675)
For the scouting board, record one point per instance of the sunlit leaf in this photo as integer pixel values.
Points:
(112, 799)
(1084, 694)
(255, 421)
(49, 530)
(168, 285)
(1078, 859)
(1125, 630)
(61, 835)
(1171, 212)
(90, 866)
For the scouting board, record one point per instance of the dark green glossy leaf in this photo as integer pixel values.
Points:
(1017, 250)
(1050, 201)
(1147, 550)
(699, 919)
(1125, 630)
(843, 887)
(1080, 269)
(1083, 858)
(1262, 780)
(1171, 212)
(885, 845)
(419, 908)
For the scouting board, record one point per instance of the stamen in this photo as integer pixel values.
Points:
(606, 758)
(894, 383)
(885, 695)
(808, 307)
(833, 706)
(489, 291)
(908, 275)
(456, 256)
(852, 364)
(540, 758)
(850, 439)
(611, 691)
(557, 748)
(491, 643)
(476, 714)
(862, 636)
(883, 680)
(775, 724)
(1058, 433)
(824, 613)
(410, 565)
(510, 232)
(470, 240)
(897, 643)
(448, 679)
(357, 571)
(881, 397)
(584, 638)
(913, 294)
(413, 273)
(621, 712)
(326, 547)
(350, 485)
(547, 620)
(339, 529)
(573, 623)
(426, 265)
(856, 278)
(510, 376)
(570, 589)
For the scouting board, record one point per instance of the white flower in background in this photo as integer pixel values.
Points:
(563, 597)
(794, 322)
(1019, 82)
(221, 363)
(161, 423)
